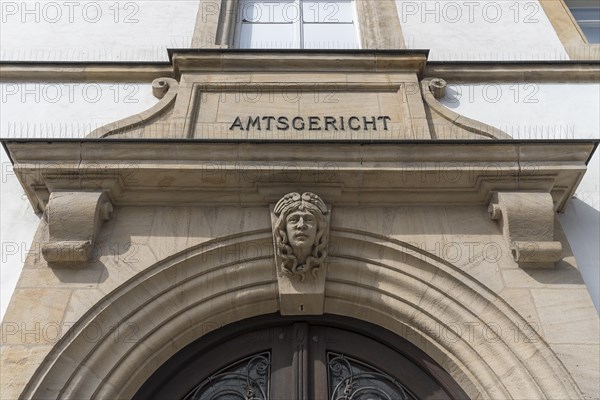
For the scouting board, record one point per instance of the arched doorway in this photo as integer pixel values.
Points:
(387, 283)
(327, 357)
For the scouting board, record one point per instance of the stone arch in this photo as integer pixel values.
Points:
(373, 278)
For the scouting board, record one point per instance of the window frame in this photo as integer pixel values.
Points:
(573, 5)
(216, 25)
(570, 34)
(298, 27)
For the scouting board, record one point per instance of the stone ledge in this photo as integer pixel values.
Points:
(192, 172)
(455, 72)
(514, 72)
(83, 72)
(362, 61)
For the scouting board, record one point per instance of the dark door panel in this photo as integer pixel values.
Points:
(318, 358)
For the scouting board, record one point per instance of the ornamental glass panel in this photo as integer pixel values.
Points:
(350, 379)
(247, 379)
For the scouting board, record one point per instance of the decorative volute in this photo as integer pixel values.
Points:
(527, 221)
(74, 221)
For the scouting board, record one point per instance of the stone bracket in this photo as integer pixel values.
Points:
(74, 221)
(527, 221)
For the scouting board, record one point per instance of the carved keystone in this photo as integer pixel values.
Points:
(301, 237)
(527, 221)
(74, 220)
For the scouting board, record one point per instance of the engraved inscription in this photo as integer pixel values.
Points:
(311, 123)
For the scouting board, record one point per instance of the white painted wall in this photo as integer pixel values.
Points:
(480, 30)
(118, 30)
(17, 225)
(49, 110)
(108, 30)
(549, 111)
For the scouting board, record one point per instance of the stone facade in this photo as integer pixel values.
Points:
(170, 264)
(162, 227)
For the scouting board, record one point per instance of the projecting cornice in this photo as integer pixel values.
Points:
(515, 71)
(241, 173)
(452, 71)
(12, 71)
(358, 61)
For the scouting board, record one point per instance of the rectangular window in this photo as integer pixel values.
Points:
(297, 24)
(587, 15)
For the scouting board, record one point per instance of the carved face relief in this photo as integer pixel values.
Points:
(301, 227)
(301, 233)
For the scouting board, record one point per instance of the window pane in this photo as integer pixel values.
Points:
(591, 31)
(330, 36)
(327, 11)
(269, 11)
(587, 14)
(267, 36)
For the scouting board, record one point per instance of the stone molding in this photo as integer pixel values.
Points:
(215, 24)
(379, 24)
(433, 89)
(399, 296)
(301, 283)
(527, 221)
(452, 71)
(164, 89)
(306, 61)
(83, 71)
(74, 221)
(385, 173)
(515, 71)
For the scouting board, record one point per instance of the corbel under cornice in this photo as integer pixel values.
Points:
(527, 222)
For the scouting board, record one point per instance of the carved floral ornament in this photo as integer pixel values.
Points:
(301, 234)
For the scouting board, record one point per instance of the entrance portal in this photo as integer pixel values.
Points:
(317, 358)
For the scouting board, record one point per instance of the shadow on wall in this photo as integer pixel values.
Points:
(19, 223)
(581, 223)
(452, 98)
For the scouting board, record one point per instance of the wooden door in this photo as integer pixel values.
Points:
(322, 358)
